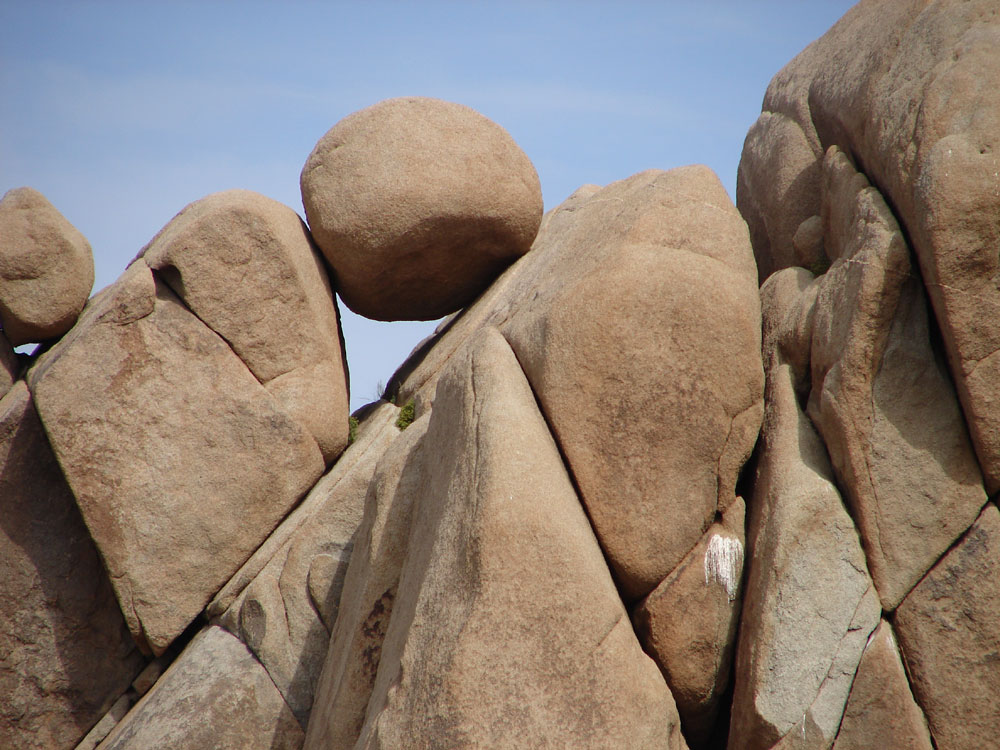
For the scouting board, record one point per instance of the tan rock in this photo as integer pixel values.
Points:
(180, 461)
(881, 398)
(809, 604)
(419, 204)
(215, 695)
(881, 711)
(10, 367)
(949, 631)
(659, 257)
(246, 266)
(777, 189)
(370, 587)
(923, 72)
(65, 653)
(286, 612)
(657, 306)
(46, 268)
(507, 630)
(688, 624)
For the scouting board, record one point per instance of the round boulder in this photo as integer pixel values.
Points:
(418, 204)
(46, 269)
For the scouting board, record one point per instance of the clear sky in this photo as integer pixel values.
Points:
(122, 113)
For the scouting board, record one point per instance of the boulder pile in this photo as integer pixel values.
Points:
(675, 473)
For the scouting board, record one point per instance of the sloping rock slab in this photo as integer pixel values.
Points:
(507, 630)
(65, 653)
(949, 630)
(215, 695)
(180, 461)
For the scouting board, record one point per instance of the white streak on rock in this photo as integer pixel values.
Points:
(724, 563)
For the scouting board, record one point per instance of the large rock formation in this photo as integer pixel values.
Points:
(548, 534)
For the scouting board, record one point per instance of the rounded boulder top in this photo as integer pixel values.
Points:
(418, 204)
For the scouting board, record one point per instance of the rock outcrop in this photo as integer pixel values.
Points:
(559, 527)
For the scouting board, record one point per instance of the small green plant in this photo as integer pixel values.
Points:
(820, 265)
(352, 430)
(406, 415)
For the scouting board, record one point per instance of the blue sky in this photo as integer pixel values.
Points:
(122, 113)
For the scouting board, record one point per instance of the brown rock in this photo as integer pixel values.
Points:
(882, 398)
(419, 204)
(646, 283)
(688, 624)
(46, 268)
(777, 189)
(180, 461)
(923, 72)
(881, 711)
(65, 653)
(949, 631)
(245, 265)
(369, 593)
(507, 630)
(10, 367)
(809, 605)
(654, 302)
(215, 695)
(286, 612)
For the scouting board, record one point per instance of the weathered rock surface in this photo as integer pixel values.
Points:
(287, 610)
(688, 624)
(921, 71)
(881, 711)
(777, 191)
(507, 630)
(65, 653)
(370, 587)
(180, 461)
(10, 367)
(949, 630)
(419, 204)
(46, 268)
(809, 604)
(245, 265)
(215, 695)
(881, 397)
(641, 293)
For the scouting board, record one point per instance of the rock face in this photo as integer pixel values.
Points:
(881, 397)
(949, 627)
(245, 265)
(65, 653)
(881, 711)
(215, 695)
(483, 648)
(688, 624)
(46, 269)
(418, 204)
(644, 283)
(556, 530)
(809, 604)
(179, 459)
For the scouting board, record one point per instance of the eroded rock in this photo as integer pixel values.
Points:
(65, 653)
(180, 461)
(245, 265)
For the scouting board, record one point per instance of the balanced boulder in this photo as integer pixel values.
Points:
(46, 268)
(419, 204)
